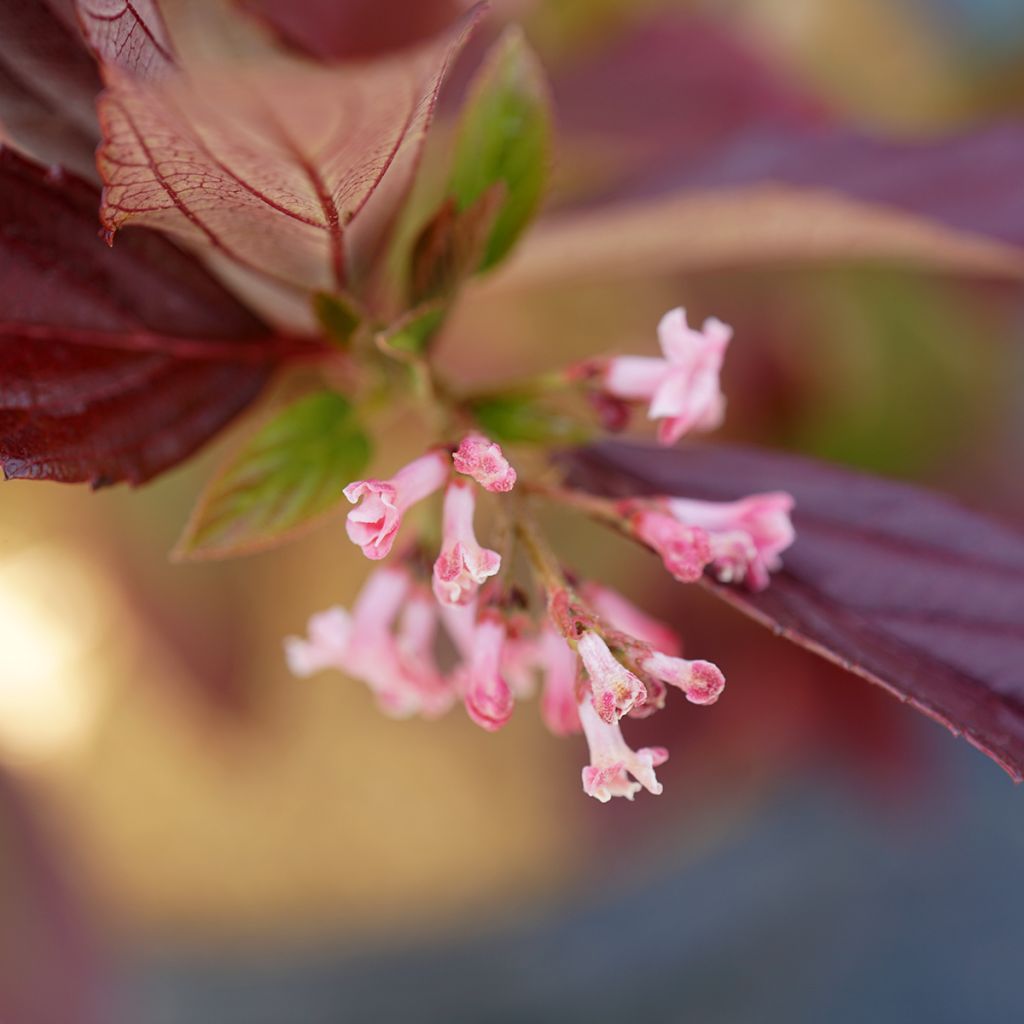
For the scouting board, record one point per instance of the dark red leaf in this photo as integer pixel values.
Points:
(347, 29)
(901, 586)
(48, 84)
(115, 364)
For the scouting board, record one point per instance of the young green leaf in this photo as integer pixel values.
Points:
(338, 315)
(289, 474)
(411, 335)
(505, 136)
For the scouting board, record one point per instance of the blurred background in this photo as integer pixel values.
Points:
(190, 835)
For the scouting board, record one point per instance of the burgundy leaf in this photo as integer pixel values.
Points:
(258, 156)
(896, 584)
(130, 34)
(115, 364)
(695, 153)
(48, 84)
(346, 29)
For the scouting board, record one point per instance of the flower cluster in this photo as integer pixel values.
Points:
(597, 657)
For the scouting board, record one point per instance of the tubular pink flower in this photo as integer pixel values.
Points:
(701, 681)
(747, 536)
(488, 698)
(621, 613)
(559, 668)
(462, 564)
(414, 641)
(326, 644)
(364, 646)
(615, 690)
(485, 462)
(374, 523)
(682, 388)
(685, 550)
(612, 761)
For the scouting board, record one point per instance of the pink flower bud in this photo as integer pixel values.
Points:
(484, 461)
(612, 761)
(560, 668)
(462, 564)
(701, 681)
(617, 611)
(747, 537)
(488, 698)
(685, 550)
(682, 388)
(374, 523)
(614, 688)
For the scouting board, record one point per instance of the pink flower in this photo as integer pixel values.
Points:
(326, 646)
(560, 668)
(682, 388)
(612, 761)
(488, 698)
(617, 611)
(484, 461)
(747, 536)
(374, 524)
(701, 681)
(614, 688)
(415, 641)
(363, 646)
(685, 550)
(463, 564)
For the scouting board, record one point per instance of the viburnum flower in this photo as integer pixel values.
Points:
(560, 670)
(612, 761)
(325, 646)
(615, 689)
(488, 698)
(374, 523)
(701, 681)
(485, 462)
(462, 564)
(363, 644)
(683, 387)
(415, 643)
(684, 549)
(623, 614)
(747, 536)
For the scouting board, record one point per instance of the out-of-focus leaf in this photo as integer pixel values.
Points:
(756, 225)
(50, 971)
(524, 418)
(48, 85)
(452, 244)
(505, 136)
(701, 155)
(412, 334)
(346, 29)
(114, 364)
(338, 316)
(898, 585)
(260, 157)
(664, 95)
(292, 472)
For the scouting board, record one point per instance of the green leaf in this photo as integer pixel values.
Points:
(520, 418)
(290, 472)
(338, 316)
(412, 333)
(505, 136)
